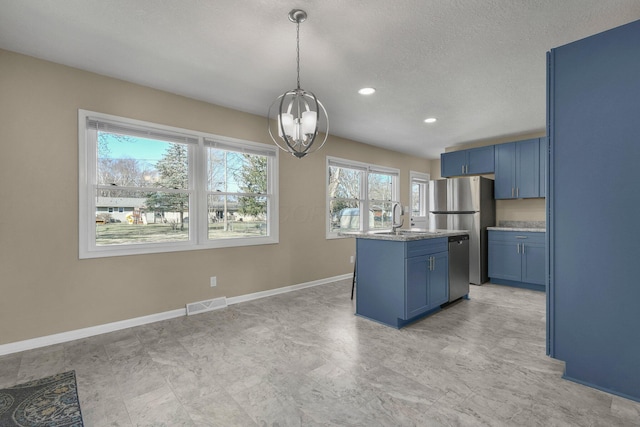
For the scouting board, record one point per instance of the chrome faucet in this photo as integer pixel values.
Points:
(394, 225)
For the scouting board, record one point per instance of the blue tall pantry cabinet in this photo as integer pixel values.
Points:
(594, 209)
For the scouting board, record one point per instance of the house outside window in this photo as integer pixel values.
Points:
(147, 188)
(360, 196)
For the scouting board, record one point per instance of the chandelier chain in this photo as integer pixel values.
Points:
(298, 50)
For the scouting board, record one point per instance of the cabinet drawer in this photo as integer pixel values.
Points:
(426, 246)
(516, 236)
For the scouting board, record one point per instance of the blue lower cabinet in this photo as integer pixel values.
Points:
(438, 282)
(426, 283)
(400, 282)
(533, 263)
(416, 289)
(517, 259)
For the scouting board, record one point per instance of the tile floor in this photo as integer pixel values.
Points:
(303, 358)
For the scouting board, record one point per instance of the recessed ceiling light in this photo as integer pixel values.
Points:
(367, 91)
(430, 120)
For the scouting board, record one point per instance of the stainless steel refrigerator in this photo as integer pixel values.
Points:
(465, 204)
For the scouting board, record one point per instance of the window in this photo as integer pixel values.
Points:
(359, 196)
(419, 199)
(183, 189)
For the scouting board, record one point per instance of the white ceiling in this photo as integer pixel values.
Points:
(477, 65)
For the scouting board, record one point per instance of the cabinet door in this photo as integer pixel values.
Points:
(527, 168)
(416, 281)
(505, 163)
(505, 260)
(544, 143)
(533, 263)
(439, 280)
(481, 160)
(453, 164)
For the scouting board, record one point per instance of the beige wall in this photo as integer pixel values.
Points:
(506, 210)
(46, 289)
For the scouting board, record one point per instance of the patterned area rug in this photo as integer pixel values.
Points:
(50, 402)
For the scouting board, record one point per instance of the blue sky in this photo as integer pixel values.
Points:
(136, 148)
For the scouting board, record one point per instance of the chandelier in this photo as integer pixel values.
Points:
(299, 112)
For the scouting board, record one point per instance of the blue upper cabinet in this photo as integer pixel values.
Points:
(480, 160)
(517, 170)
(453, 163)
(505, 179)
(474, 161)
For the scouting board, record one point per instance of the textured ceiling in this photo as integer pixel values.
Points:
(476, 65)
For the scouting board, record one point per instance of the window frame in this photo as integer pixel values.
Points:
(198, 224)
(363, 199)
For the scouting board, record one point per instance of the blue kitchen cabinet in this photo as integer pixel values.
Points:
(474, 161)
(517, 169)
(505, 261)
(426, 284)
(453, 163)
(417, 291)
(517, 259)
(533, 260)
(438, 280)
(399, 282)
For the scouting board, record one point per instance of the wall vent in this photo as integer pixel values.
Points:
(207, 305)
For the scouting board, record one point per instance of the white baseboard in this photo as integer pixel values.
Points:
(285, 289)
(18, 346)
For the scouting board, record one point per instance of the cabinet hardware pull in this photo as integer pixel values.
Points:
(517, 191)
(463, 169)
(523, 249)
(521, 237)
(518, 247)
(512, 192)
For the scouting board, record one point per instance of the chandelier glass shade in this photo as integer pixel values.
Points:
(299, 115)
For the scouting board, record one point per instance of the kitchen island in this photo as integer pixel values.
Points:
(402, 276)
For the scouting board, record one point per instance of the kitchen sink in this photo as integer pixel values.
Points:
(405, 232)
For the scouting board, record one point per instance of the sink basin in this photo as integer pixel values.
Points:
(405, 232)
(391, 233)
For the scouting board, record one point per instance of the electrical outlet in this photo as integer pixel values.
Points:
(213, 281)
(351, 260)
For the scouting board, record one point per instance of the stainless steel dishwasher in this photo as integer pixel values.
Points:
(458, 266)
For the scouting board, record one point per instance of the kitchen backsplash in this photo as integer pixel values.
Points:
(521, 210)
(522, 224)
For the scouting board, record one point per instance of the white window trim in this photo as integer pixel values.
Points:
(198, 236)
(364, 199)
